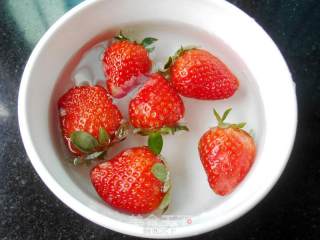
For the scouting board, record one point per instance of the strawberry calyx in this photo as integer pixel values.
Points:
(92, 148)
(122, 132)
(172, 59)
(121, 37)
(221, 119)
(146, 42)
(163, 130)
(86, 159)
(161, 172)
(164, 205)
(155, 140)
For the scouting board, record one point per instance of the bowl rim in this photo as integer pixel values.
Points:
(87, 212)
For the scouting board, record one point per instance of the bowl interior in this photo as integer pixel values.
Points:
(214, 25)
(188, 176)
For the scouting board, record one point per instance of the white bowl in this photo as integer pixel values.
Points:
(266, 101)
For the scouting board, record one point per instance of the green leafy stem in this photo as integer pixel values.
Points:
(172, 59)
(93, 148)
(160, 171)
(222, 118)
(146, 42)
(155, 139)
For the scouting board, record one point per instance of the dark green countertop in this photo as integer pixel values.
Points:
(28, 210)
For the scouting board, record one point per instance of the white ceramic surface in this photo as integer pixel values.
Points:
(212, 24)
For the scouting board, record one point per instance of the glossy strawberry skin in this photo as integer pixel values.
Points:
(124, 62)
(87, 108)
(198, 74)
(156, 105)
(126, 182)
(227, 155)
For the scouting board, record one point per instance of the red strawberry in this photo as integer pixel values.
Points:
(156, 110)
(135, 181)
(227, 153)
(196, 73)
(89, 120)
(124, 62)
(156, 105)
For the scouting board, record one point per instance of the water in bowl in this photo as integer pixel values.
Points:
(191, 192)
